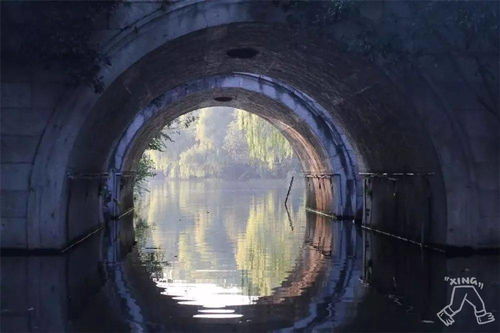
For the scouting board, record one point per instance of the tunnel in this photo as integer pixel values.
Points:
(390, 107)
(338, 134)
(385, 148)
(307, 129)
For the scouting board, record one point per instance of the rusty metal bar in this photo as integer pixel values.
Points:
(396, 174)
(127, 174)
(125, 213)
(98, 175)
(327, 214)
(402, 238)
(81, 239)
(89, 175)
(320, 175)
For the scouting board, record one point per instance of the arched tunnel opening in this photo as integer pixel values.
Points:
(341, 137)
(390, 108)
(273, 237)
(313, 159)
(317, 165)
(212, 222)
(328, 169)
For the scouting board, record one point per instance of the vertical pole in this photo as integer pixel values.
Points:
(337, 195)
(363, 221)
(116, 221)
(289, 189)
(289, 217)
(68, 210)
(365, 255)
(114, 185)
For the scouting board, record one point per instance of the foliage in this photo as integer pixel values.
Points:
(159, 141)
(152, 259)
(145, 169)
(226, 143)
(265, 143)
(476, 23)
(318, 14)
(206, 157)
(146, 166)
(409, 33)
(59, 36)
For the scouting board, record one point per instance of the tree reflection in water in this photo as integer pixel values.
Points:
(339, 278)
(215, 243)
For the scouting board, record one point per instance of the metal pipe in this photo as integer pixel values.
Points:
(402, 238)
(330, 215)
(125, 213)
(395, 174)
(78, 241)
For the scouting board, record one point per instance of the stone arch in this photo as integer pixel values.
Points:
(386, 125)
(328, 161)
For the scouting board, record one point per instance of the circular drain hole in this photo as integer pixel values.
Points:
(223, 99)
(242, 53)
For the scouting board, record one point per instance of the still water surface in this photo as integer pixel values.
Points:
(218, 244)
(215, 256)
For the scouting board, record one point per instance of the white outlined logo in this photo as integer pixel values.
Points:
(464, 290)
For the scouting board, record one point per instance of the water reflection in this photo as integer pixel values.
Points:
(216, 244)
(323, 275)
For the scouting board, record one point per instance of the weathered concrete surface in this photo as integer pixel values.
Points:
(45, 293)
(423, 120)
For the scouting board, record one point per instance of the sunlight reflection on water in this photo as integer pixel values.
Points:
(217, 244)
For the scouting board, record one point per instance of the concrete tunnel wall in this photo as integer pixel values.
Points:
(425, 120)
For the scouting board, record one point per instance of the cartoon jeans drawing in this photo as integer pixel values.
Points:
(459, 296)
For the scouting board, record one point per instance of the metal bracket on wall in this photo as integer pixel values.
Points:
(402, 238)
(320, 175)
(125, 213)
(326, 214)
(98, 175)
(127, 174)
(88, 175)
(394, 177)
(329, 176)
(391, 175)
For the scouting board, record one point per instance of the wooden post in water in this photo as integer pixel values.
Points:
(289, 189)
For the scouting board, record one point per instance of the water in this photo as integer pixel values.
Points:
(218, 244)
(216, 256)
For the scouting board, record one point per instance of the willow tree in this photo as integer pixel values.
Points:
(265, 143)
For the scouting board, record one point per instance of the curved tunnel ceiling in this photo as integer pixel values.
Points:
(309, 128)
(417, 120)
(319, 145)
(361, 106)
(360, 99)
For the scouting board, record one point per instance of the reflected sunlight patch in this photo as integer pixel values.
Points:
(207, 295)
(218, 316)
(217, 311)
